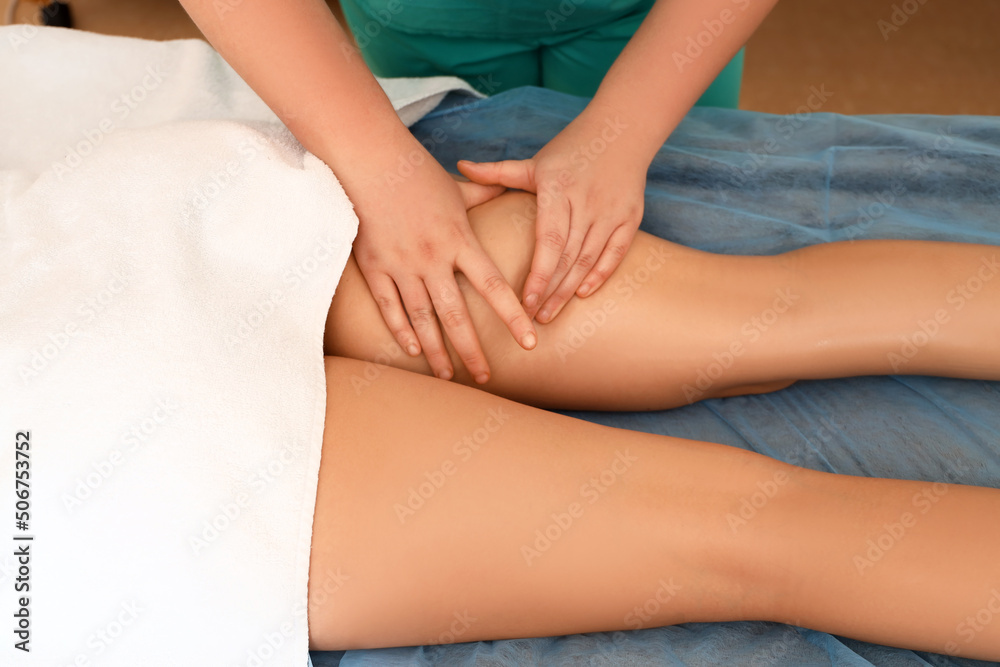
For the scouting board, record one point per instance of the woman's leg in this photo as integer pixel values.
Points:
(675, 325)
(445, 514)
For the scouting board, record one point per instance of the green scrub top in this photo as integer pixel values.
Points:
(565, 45)
(499, 19)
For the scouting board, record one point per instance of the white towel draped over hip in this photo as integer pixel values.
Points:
(168, 253)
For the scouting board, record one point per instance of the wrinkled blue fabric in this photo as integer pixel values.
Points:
(742, 182)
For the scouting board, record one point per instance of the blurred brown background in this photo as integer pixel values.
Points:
(926, 56)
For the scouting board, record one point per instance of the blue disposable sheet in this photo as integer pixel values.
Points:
(741, 182)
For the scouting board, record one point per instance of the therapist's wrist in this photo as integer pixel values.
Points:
(619, 133)
(376, 151)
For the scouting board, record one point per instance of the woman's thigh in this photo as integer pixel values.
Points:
(448, 514)
(671, 326)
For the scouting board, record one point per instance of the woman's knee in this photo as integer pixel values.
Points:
(505, 227)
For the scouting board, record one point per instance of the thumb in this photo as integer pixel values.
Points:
(518, 174)
(475, 194)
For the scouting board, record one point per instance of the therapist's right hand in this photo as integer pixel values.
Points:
(414, 234)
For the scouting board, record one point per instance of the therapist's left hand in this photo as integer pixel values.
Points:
(590, 186)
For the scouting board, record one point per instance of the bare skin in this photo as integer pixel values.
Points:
(296, 56)
(536, 524)
(672, 317)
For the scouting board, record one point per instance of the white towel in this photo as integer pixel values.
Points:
(168, 252)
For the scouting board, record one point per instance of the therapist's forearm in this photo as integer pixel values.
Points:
(681, 46)
(295, 55)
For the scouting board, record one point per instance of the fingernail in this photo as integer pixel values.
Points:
(531, 300)
(528, 341)
(544, 315)
(482, 378)
(584, 290)
(444, 374)
(413, 350)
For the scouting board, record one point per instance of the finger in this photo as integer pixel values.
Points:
(552, 225)
(454, 317)
(567, 261)
(383, 289)
(613, 254)
(518, 174)
(475, 194)
(585, 261)
(420, 308)
(486, 279)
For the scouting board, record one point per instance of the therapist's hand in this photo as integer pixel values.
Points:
(413, 236)
(590, 188)
(474, 194)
